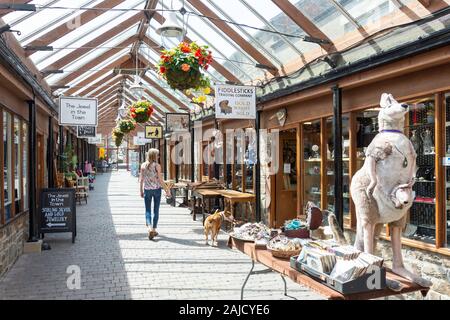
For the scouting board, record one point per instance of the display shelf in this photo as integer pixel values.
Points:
(425, 202)
(426, 181)
(313, 160)
(418, 125)
(343, 159)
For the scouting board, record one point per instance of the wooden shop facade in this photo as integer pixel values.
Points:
(312, 169)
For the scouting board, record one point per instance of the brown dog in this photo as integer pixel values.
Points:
(213, 223)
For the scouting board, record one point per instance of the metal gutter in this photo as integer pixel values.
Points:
(437, 40)
(13, 62)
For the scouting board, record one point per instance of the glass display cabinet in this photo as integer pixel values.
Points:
(312, 159)
(420, 127)
(345, 163)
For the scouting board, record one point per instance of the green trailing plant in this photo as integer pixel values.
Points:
(126, 125)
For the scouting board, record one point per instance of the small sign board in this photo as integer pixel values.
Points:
(177, 122)
(78, 111)
(86, 131)
(153, 132)
(96, 140)
(235, 102)
(58, 211)
(446, 161)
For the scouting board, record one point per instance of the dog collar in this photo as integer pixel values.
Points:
(391, 130)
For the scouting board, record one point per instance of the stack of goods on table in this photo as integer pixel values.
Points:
(283, 247)
(342, 267)
(251, 232)
(295, 229)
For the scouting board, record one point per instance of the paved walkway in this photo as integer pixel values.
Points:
(117, 261)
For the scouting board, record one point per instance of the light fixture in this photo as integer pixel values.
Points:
(122, 110)
(170, 28)
(136, 89)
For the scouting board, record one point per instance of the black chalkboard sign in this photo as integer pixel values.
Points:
(58, 211)
(86, 132)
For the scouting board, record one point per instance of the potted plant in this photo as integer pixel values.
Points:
(181, 66)
(126, 125)
(117, 136)
(141, 111)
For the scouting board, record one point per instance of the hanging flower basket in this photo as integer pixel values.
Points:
(181, 66)
(126, 125)
(141, 111)
(117, 136)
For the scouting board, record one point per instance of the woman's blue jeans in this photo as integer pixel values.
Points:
(148, 196)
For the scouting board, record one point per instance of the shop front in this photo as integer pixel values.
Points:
(306, 150)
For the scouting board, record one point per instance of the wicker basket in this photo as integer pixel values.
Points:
(285, 254)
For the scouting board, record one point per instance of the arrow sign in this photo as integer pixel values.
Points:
(56, 225)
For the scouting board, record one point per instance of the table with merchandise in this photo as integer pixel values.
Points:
(336, 272)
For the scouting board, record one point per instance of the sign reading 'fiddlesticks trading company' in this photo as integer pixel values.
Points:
(78, 111)
(235, 102)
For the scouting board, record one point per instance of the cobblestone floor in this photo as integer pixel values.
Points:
(117, 261)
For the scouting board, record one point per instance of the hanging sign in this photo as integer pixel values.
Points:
(153, 132)
(58, 211)
(86, 131)
(235, 102)
(177, 122)
(78, 111)
(96, 140)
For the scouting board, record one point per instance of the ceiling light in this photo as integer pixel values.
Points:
(123, 109)
(137, 90)
(170, 28)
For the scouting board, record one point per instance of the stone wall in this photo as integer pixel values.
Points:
(12, 239)
(429, 265)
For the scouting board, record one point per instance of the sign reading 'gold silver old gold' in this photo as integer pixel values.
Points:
(235, 102)
(153, 132)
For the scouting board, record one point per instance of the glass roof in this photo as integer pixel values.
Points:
(271, 36)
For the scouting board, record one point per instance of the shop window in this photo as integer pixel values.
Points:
(421, 222)
(238, 159)
(7, 165)
(345, 164)
(366, 130)
(312, 162)
(447, 169)
(250, 159)
(17, 164)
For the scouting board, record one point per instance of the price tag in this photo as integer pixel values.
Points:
(446, 161)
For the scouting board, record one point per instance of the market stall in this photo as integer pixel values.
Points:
(283, 267)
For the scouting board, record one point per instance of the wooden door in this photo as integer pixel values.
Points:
(286, 179)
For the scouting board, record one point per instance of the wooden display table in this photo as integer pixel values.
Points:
(204, 195)
(232, 198)
(283, 267)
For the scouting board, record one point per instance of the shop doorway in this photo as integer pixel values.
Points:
(286, 196)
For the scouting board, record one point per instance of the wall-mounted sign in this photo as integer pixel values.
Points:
(98, 139)
(235, 102)
(86, 131)
(78, 111)
(177, 122)
(58, 211)
(153, 132)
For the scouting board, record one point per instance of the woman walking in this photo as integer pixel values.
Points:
(151, 182)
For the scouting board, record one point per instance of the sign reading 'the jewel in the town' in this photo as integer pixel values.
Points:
(58, 211)
(78, 111)
(235, 102)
